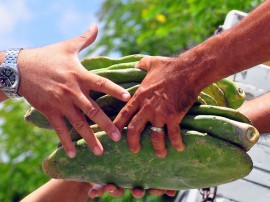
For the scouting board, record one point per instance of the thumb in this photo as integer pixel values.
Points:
(85, 39)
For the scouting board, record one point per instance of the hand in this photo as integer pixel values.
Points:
(163, 98)
(98, 190)
(55, 83)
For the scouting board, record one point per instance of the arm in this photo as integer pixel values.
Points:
(60, 190)
(172, 84)
(258, 111)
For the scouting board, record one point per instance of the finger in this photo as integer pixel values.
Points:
(135, 127)
(114, 191)
(170, 193)
(156, 192)
(96, 190)
(93, 111)
(126, 113)
(59, 125)
(81, 126)
(145, 63)
(104, 85)
(85, 39)
(158, 141)
(137, 192)
(174, 134)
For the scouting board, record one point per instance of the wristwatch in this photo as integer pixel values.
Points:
(9, 74)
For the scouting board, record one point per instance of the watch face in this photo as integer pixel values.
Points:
(7, 77)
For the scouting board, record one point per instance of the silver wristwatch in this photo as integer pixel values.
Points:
(9, 74)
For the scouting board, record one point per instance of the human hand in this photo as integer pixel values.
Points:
(55, 83)
(98, 190)
(163, 98)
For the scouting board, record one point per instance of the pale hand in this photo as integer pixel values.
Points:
(55, 83)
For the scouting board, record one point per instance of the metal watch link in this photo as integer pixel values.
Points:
(9, 74)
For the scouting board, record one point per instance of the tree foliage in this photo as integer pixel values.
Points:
(161, 27)
(152, 27)
(22, 148)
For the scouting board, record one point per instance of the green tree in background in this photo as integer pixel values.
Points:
(157, 27)
(153, 27)
(22, 149)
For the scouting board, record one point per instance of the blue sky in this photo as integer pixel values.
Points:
(34, 23)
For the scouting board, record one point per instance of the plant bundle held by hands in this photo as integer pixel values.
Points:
(212, 130)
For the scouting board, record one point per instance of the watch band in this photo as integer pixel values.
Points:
(10, 59)
(11, 56)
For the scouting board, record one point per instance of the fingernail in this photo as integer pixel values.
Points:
(136, 149)
(97, 151)
(109, 189)
(92, 194)
(91, 26)
(71, 154)
(125, 96)
(161, 154)
(180, 147)
(116, 136)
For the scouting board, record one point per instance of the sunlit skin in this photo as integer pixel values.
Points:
(55, 83)
(172, 84)
(156, 101)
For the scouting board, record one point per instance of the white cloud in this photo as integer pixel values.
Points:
(12, 13)
(69, 19)
(72, 17)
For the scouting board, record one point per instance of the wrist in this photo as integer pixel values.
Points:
(212, 60)
(201, 65)
(2, 56)
(25, 61)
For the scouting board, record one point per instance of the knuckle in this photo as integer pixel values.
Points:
(56, 96)
(160, 113)
(147, 106)
(174, 136)
(70, 89)
(47, 111)
(145, 62)
(92, 112)
(156, 138)
(170, 115)
(132, 129)
(141, 91)
(124, 112)
(174, 130)
(59, 131)
(101, 83)
(169, 110)
(79, 125)
(83, 36)
(59, 94)
(109, 127)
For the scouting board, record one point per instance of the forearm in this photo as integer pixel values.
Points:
(60, 190)
(241, 47)
(258, 111)
(2, 95)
